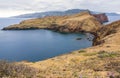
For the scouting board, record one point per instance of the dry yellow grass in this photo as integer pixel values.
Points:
(86, 64)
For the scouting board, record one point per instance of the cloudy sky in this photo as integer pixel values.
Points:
(17, 7)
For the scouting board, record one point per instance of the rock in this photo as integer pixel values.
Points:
(78, 38)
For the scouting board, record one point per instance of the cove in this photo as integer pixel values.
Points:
(36, 45)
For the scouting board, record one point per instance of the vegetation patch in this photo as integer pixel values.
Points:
(81, 51)
(90, 54)
(104, 54)
(12, 70)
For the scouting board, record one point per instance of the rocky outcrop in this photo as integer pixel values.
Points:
(101, 17)
(82, 22)
(107, 32)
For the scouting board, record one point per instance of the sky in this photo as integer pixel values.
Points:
(17, 7)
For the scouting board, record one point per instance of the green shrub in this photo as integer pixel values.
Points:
(90, 54)
(81, 51)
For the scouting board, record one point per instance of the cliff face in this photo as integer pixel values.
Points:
(101, 17)
(83, 21)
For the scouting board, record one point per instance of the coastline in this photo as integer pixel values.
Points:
(96, 61)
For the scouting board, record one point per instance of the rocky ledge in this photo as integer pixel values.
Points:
(82, 22)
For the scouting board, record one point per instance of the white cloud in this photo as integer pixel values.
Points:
(8, 13)
(16, 7)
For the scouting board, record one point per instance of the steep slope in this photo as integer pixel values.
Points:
(101, 17)
(107, 33)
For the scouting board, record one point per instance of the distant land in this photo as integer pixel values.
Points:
(58, 13)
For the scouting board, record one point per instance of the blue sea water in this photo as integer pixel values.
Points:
(113, 18)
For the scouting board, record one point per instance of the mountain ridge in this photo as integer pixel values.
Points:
(57, 13)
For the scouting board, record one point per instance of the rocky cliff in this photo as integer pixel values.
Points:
(101, 17)
(108, 32)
